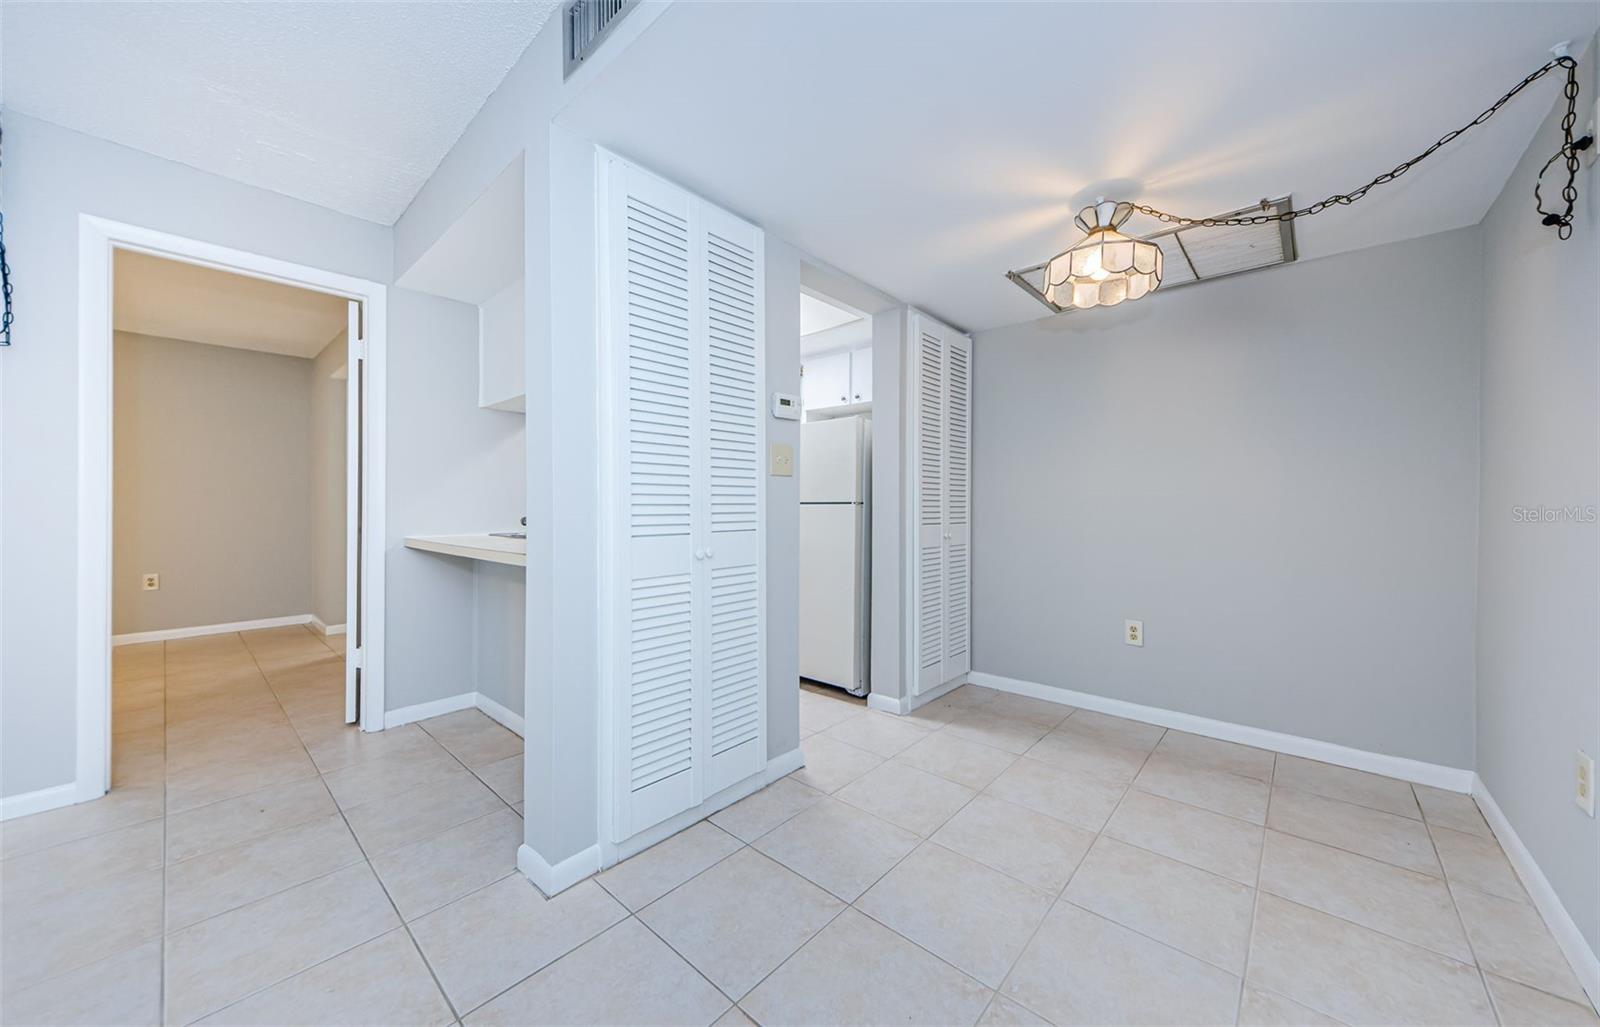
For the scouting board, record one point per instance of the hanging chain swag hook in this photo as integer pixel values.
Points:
(1570, 148)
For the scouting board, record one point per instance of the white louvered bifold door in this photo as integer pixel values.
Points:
(928, 388)
(957, 593)
(651, 251)
(684, 350)
(731, 321)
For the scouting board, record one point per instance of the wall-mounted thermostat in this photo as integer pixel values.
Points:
(785, 407)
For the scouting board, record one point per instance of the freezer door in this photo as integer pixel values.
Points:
(830, 454)
(830, 610)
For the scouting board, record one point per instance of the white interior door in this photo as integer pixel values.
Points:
(656, 719)
(957, 593)
(731, 320)
(355, 367)
(929, 580)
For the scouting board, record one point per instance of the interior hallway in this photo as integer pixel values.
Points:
(990, 856)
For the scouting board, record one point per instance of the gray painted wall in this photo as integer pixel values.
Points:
(1277, 473)
(211, 473)
(453, 469)
(783, 503)
(499, 611)
(328, 484)
(61, 174)
(1539, 581)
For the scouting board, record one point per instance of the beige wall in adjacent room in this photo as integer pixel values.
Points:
(212, 484)
(328, 482)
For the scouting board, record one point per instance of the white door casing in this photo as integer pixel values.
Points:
(355, 366)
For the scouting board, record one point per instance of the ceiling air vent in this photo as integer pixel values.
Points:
(587, 24)
(1193, 254)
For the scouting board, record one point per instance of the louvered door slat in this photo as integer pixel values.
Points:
(957, 505)
(656, 728)
(734, 420)
(930, 441)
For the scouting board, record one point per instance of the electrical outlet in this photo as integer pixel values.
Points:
(1585, 790)
(152, 582)
(1133, 632)
(781, 457)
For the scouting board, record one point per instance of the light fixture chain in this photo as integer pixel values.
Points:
(1569, 150)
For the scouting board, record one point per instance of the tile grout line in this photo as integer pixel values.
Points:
(1461, 921)
(1255, 898)
(365, 859)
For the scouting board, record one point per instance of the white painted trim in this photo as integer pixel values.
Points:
(496, 712)
(887, 703)
(554, 879)
(323, 628)
(38, 802)
(97, 238)
(1585, 963)
(1449, 778)
(424, 710)
(167, 634)
(612, 853)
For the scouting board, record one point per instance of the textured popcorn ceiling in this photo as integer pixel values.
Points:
(350, 105)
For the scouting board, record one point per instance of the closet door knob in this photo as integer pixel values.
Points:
(710, 553)
(699, 554)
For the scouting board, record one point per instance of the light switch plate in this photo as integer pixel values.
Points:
(780, 457)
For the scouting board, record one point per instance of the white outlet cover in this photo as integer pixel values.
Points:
(1133, 632)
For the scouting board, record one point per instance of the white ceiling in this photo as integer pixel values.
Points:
(961, 136)
(347, 105)
(174, 300)
(818, 314)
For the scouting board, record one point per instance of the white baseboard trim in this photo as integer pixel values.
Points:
(450, 704)
(424, 710)
(785, 764)
(1435, 775)
(554, 879)
(886, 703)
(168, 634)
(1574, 946)
(324, 629)
(39, 801)
(496, 712)
(907, 703)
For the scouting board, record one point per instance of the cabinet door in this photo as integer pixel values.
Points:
(861, 376)
(928, 417)
(825, 381)
(734, 422)
(654, 664)
(957, 592)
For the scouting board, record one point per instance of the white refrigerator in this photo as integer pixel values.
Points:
(835, 551)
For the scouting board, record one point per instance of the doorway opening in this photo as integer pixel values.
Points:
(230, 505)
(835, 472)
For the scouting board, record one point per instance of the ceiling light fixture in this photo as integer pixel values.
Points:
(1107, 267)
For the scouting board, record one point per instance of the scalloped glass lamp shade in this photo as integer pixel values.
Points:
(1107, 267)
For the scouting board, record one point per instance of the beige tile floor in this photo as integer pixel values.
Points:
(989, 859)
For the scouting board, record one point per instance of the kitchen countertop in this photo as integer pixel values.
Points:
(489, 548)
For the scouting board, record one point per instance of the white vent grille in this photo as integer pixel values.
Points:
(587, 23)
(1193, 254)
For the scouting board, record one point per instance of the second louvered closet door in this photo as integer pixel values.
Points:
(941, 421)
(683, 347)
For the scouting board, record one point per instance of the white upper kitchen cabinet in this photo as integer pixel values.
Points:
(837, 379)
(825, 381)
(500, 350)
